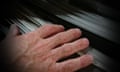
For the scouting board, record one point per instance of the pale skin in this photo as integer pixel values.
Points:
(39, 50)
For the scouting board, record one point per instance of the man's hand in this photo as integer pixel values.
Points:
(39, 51)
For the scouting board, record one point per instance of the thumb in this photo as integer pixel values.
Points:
(13, 31)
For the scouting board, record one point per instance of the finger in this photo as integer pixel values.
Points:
(63, 37)
(13, 31)
(74, 64)
(69, 49)
(49, 29)
(60, 38)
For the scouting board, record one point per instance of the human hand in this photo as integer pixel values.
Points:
(39, 50)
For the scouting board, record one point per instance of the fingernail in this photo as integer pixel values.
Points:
(13, 28)
(76, 32)
(85, 40)
(61, 26)
(90, 57)
(77, 29)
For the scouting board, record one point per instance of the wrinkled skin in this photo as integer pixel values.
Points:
(39, 50)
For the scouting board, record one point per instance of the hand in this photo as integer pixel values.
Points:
(39, 50)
